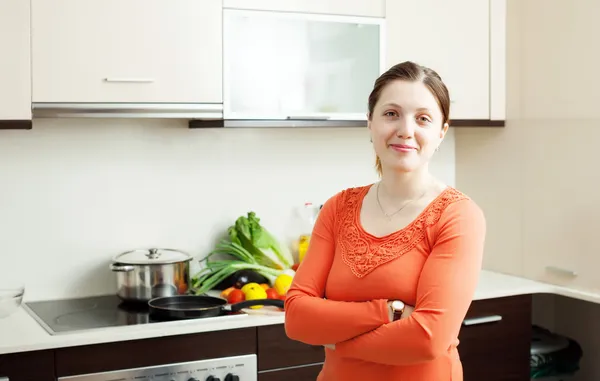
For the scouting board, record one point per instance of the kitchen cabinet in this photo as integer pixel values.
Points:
(137, 51)
(369, 8)
(15, 75)
(498, 59)
(280, 358)
(282, 66)
(27, 366)
(454, 40)
(495, 339)
(277, 352)
(303, 373)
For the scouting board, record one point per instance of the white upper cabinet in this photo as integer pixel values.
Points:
(497, 59)
(15, 76)
(451, 37)
(282, 65)
(138, 51)
(368, 8)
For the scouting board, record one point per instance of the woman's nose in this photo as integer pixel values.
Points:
(405, 128)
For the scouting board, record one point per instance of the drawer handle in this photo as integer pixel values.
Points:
(129, 80)
(308, 117)
(482, 320)
(560, 270)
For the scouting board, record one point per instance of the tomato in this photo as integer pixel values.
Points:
(295, 267)
(272, 294)
(235, 296)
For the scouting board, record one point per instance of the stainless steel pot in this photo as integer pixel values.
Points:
(144, 274)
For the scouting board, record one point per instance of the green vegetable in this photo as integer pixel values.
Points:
(260, 242)
(250, 247)
(217, 271)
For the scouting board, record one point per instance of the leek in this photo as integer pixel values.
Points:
(215, 271)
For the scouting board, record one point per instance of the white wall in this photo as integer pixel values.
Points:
(73, 193)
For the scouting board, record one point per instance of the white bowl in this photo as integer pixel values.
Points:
(10, 300)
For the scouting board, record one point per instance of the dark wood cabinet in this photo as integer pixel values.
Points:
(302, 373)
(28, 366)
(276, 351)
(495, 340)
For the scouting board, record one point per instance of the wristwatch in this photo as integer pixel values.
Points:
(397, 308)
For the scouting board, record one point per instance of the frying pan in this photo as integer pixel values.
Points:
(196, 306)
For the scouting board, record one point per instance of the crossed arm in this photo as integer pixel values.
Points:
(305, 305)
(445, 290)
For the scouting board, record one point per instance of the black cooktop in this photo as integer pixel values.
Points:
(94, 312)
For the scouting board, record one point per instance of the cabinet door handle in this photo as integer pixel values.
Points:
(308, 117)
(129, 80)
(482, 320)
(560, 270)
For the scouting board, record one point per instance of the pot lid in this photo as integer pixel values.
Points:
(152, 257)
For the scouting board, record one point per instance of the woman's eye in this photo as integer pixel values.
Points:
(390, 113)
(424, 119)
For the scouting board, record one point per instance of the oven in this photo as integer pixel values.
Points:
(236, 368)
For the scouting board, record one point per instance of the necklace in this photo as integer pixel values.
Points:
(390, 215)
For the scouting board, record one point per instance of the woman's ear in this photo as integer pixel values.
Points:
(444, 130)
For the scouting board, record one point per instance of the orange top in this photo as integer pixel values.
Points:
(339, 294)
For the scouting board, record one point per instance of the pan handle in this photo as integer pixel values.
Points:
(257, 302)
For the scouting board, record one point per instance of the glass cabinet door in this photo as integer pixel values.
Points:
(299, 66)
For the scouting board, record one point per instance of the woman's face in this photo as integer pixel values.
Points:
(406, 126)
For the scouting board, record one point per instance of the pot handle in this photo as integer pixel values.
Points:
(257, 302)
(121, 268)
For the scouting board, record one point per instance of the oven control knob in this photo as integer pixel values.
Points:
(232, 377)
(212, 378)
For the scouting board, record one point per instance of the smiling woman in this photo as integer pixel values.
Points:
(426, 104)
(392, 267)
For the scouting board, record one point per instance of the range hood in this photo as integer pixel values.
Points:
(200, 115)
(275, 123)
(204, 111)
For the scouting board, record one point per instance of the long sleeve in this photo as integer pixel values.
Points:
(444, 293)
(311, 319)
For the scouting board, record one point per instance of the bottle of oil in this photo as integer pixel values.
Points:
(310, 217)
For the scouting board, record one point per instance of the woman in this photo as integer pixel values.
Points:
(408, 240)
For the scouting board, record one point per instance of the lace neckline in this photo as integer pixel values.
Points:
(361, 199)
(363, 252)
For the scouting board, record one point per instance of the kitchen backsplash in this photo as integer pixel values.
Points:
(73, 193)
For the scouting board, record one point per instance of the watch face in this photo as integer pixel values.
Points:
(397, 305)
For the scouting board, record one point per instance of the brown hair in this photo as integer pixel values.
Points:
(410, 71)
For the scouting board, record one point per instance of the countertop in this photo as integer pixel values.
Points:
(19, 332)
